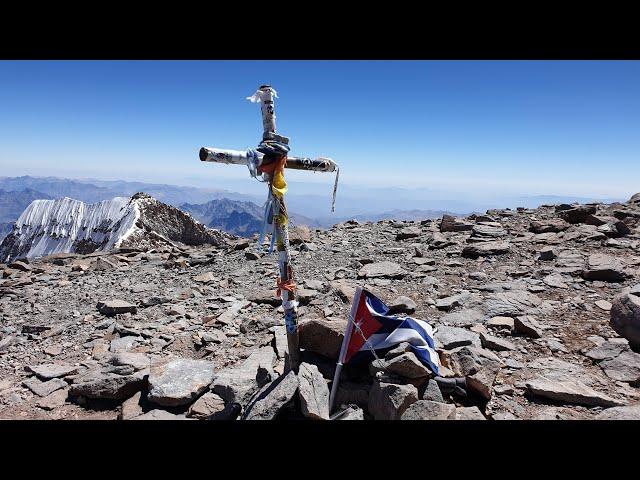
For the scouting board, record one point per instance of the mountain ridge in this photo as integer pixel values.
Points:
(66, 225)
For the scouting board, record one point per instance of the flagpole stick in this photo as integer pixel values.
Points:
(343, 348)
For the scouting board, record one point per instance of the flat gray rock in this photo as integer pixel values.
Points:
(550, 225)
(428, 410)
(453, 301)
(570, 391)
(453, 337)
(408, 232)
(631, 412)
(607, 350)
(624, 368)
(179, 382)
(384, 269)
(463, 318)
(496, 343)
(511, 303)
(488, 230)
(139, 361)
(453, 224)
(124, 344)
(159, 415)
(52, 370)
(54, 400)
(555, 280)
(469, 413)
(114, 307)
(43, 389)
(485, 249)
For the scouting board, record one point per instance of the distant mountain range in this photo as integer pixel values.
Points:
(245, 216)
(229, 211)
(240, 218)
(91, 191)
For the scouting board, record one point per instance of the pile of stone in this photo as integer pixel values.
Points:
(536, 313)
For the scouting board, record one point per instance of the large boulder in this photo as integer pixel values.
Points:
(635, 198)
(322, 335)
(625, 314)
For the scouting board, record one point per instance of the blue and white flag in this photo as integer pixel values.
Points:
(373, 329)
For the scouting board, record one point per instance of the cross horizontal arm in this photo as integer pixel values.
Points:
(243, 157)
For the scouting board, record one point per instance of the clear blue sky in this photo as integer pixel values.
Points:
(523, 126)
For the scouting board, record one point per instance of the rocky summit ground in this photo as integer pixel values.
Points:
(522, 303)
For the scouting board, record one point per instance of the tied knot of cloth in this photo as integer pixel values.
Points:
(289, 284)
(276, 170)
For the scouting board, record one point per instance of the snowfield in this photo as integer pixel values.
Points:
(56, 226)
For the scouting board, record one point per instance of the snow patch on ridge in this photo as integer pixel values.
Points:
(55, 226)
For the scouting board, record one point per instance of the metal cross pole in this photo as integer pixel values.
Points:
(270, 159)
